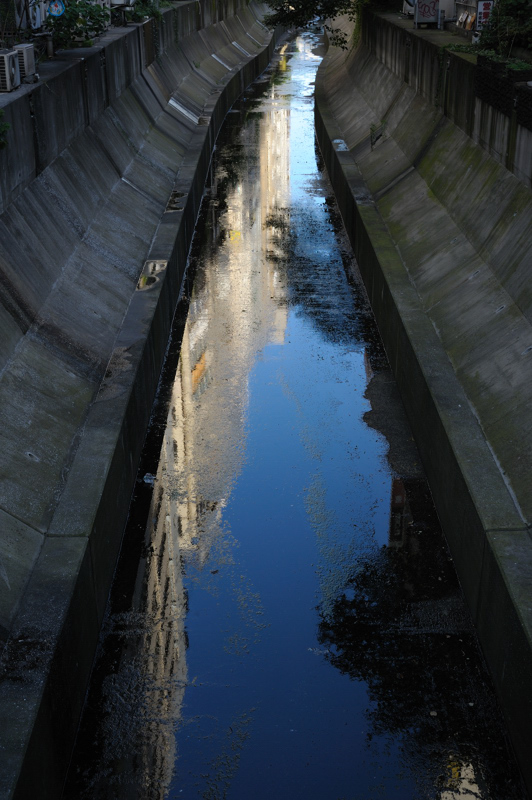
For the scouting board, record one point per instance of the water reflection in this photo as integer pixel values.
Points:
(401, 627)
(128, 746)
(237, 308)
(327, 652)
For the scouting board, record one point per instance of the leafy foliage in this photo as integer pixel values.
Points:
(300, 13)
(510, 25)
(143, 9)
(8, 21)
(514, 64)
(80, 23)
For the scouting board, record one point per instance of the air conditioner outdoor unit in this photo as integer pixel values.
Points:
(35, 16)
(26, 59)
(9, 70)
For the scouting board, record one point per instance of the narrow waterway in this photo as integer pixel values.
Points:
(286, 621)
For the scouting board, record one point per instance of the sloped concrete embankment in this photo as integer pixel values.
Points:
(101, 183)
(442, 232)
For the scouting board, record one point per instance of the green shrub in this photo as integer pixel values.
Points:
(509, 26)
(142, 9)
(80, 23)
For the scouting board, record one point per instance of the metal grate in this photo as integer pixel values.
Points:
(26, 59)
(8, 71)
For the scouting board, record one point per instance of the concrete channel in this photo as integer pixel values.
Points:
(100, 196)
(285, 619)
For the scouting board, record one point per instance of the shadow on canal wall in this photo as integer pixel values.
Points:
(441, 231)
(101, 184)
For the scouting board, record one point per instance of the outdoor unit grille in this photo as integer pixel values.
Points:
(26, 59)
(9, 70)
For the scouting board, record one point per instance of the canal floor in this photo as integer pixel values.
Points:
(285, 621)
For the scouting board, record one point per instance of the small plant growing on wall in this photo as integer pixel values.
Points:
(143, 9)
(80, 23)
(4, 127)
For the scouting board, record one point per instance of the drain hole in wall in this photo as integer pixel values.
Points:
(173, 202)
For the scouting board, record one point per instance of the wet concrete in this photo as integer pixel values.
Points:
(286, 620)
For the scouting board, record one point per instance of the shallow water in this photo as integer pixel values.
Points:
(285, 621)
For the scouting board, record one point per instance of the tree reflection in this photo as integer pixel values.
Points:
(401, 627)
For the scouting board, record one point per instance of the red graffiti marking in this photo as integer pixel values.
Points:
(427, 9)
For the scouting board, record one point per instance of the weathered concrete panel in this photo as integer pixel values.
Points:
(96, 95)
(84, 175)
(122, 64)
(62, 575)
(521, 159)
(27, 262)
(114, 140)
(37, 430)
(19, 550)
(413, 121)
(456, 88)
(59, 114)
(17, 167)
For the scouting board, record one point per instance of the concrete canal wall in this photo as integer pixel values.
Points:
(100, 185)
(439, 211)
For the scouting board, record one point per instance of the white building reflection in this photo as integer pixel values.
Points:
(238, 307)
(164, 644)
(462, 784)
(144, 695)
